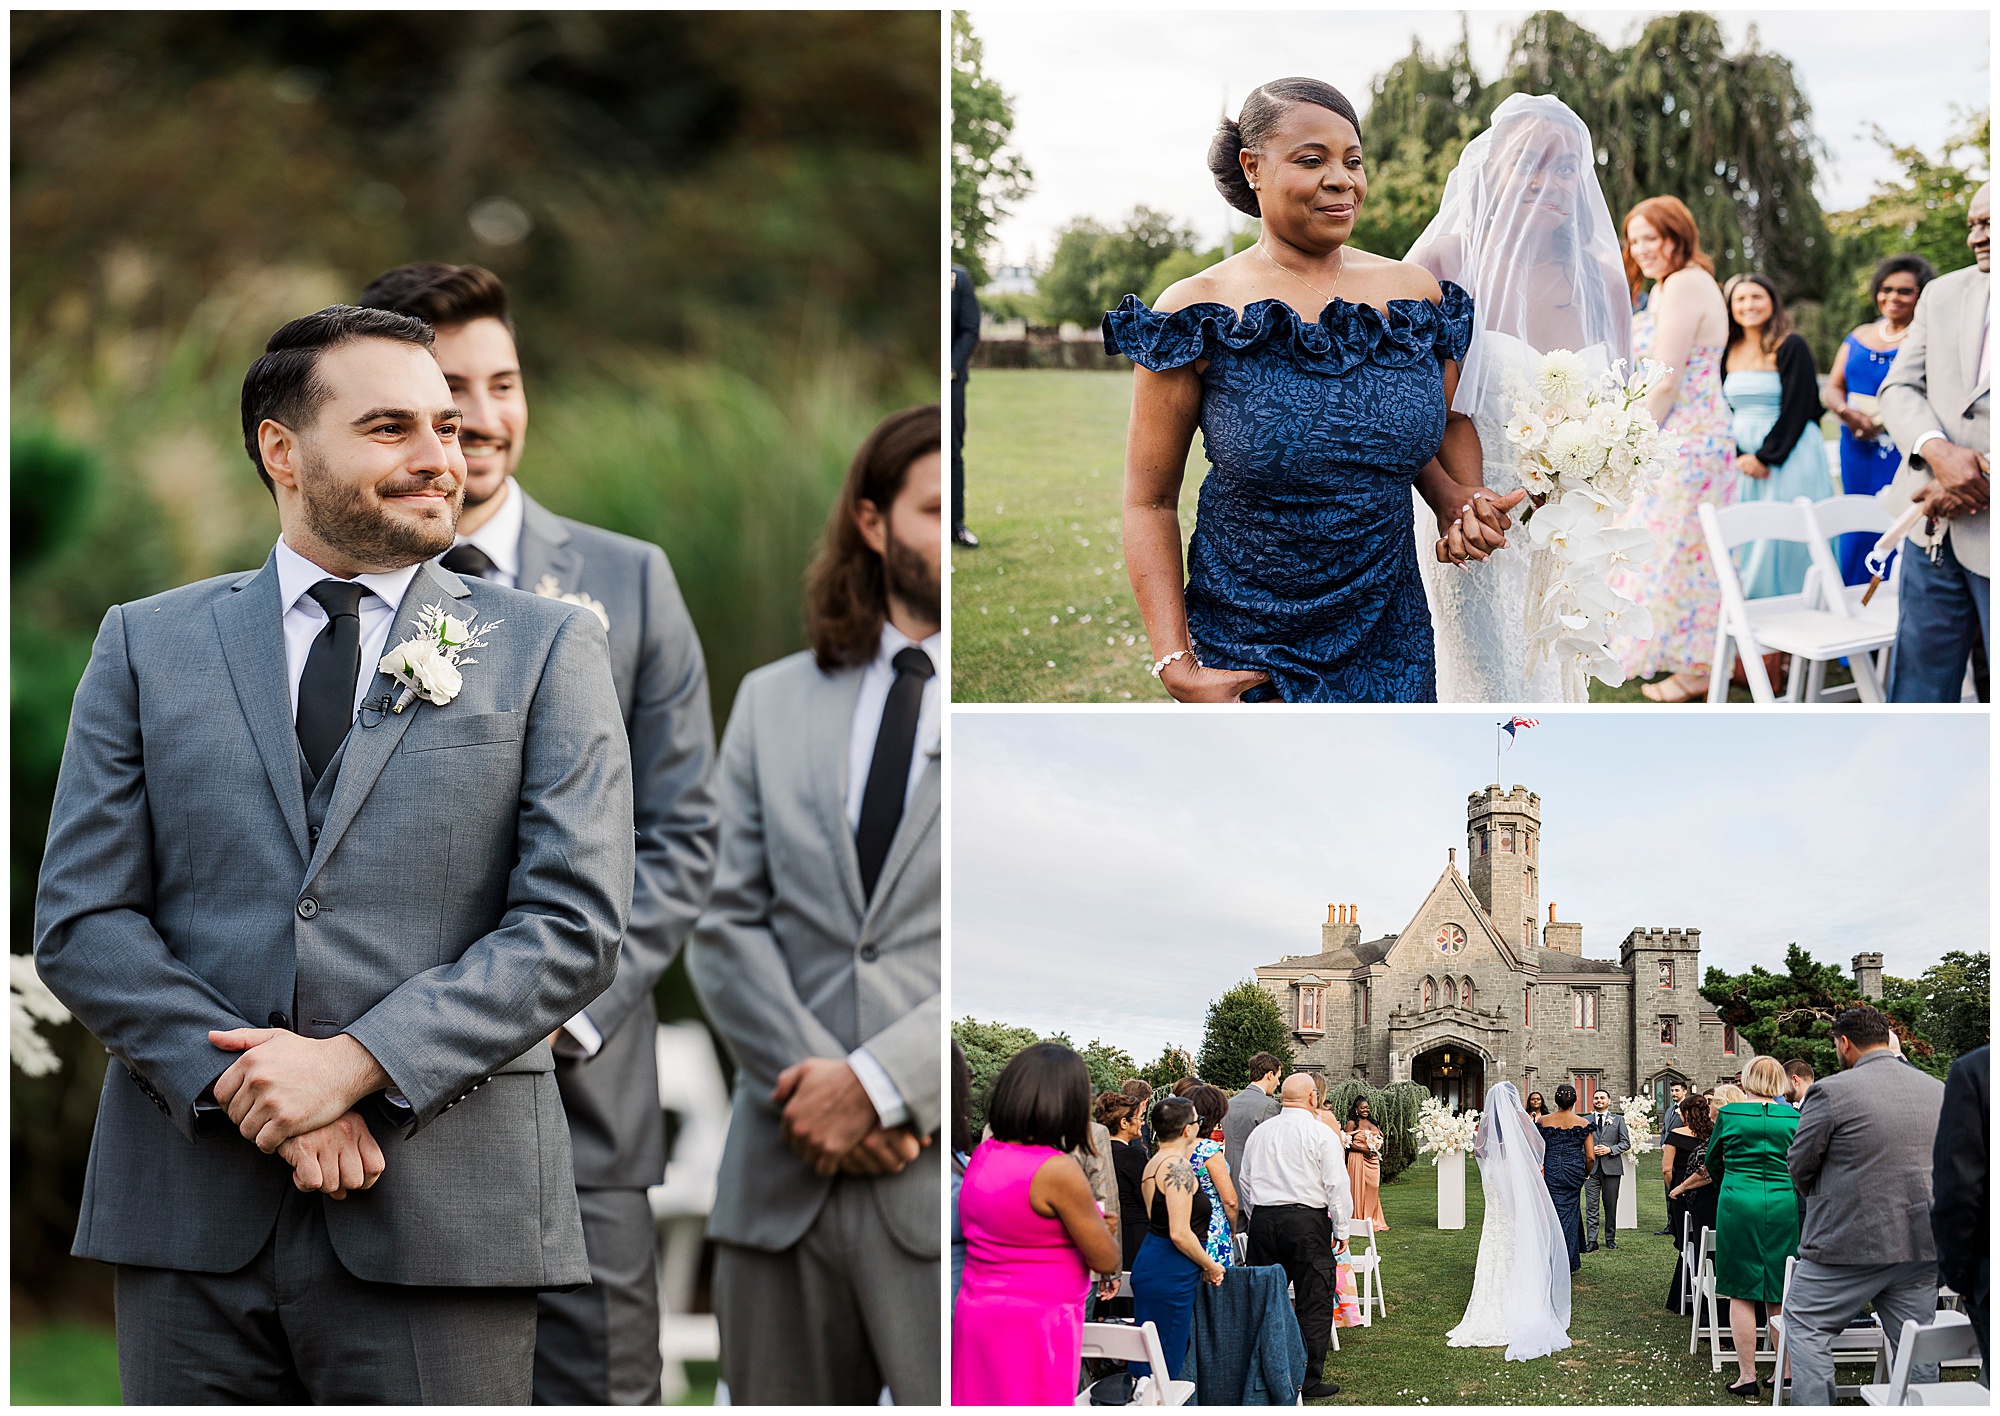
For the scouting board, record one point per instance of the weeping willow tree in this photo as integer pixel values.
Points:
(1394, 1108)
(1674, 113)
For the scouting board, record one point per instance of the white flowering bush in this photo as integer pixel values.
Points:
(1439, 1133)
(1638, 1113)
(31, 1003)
(1583, 443)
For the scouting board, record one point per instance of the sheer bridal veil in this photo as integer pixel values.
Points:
(1523, 229)
(1509, 1147)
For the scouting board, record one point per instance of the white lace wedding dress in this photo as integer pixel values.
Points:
(1520, 1285)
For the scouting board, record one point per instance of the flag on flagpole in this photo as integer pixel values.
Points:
(1514, 726)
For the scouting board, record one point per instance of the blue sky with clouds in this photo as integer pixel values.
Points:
(1115, 107)
(1112, 872)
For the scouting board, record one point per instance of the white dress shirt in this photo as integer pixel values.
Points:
(500, 537)
(876, 680)
(1295, 1159)
(305, 620)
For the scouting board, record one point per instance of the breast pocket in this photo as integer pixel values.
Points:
(442, 729)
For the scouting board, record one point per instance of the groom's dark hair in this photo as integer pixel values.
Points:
(847, 590)
(284, 385)
(1259, 115)
(442, 296)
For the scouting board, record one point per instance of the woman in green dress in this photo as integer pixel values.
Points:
(1757, 1210)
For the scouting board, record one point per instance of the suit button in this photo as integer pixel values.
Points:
(279, 1020)
(869, 953)
(308, 907)
(312, 833)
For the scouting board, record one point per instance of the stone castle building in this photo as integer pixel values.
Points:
(1480, 988)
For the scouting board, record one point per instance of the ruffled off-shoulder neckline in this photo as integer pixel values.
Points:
(1344, 336)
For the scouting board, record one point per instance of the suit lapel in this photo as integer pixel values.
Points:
(917, 818)
(251, 624)
(545, 549)
(830, 723)
(1974, 314)
(376, 733)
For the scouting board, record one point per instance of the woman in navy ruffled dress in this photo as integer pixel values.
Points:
(1320, 377)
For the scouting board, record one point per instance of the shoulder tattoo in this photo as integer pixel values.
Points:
(1179, 1175)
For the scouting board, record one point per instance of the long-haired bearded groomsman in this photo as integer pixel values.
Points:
(599, 1344)
(818, 961)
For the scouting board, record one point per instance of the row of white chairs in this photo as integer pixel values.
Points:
(1823, 622)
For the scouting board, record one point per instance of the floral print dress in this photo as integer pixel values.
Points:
(1678, 584)
(1217, 1241)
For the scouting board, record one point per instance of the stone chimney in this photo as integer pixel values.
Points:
(1342, 929)
(1868, 975)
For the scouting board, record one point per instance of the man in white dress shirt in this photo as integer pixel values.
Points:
(818, 961)
(1294, 1183)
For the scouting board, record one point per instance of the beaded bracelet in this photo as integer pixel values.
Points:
(1160, 666)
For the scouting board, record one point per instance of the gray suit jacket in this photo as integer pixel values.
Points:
(462, 894)
(792, 961)
(613, 1098)
(1861, 1162)
(1934, 383)
(1614, 1133)
(1248, 1110)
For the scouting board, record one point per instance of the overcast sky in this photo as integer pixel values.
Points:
(1111, 873)
(1115, 108)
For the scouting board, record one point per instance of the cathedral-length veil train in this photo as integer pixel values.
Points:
(1523, 228)
(1520, 1288)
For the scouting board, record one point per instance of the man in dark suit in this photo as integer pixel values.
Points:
(1958, 1190)
(600, 1344)
(964, 339)
(322, 893)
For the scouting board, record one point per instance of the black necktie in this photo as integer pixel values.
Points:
(326, 688)
(468, 560)
(889, 770)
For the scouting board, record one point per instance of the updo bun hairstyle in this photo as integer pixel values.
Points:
(1260, 113)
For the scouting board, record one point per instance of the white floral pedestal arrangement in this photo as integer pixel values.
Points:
(1451, 1190)
(1446, 1138)
(1638, 1113)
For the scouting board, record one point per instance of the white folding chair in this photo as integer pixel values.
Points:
(1789, 624)
(1948, 1338)
(691, 1087)
(1126, 1342)
(1862, 1341)
(1704, 1293)
(1688, 1257)
(1832, 518)
(1367, 1266)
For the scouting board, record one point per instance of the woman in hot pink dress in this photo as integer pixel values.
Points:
(1033, 1236)
(1685, 326)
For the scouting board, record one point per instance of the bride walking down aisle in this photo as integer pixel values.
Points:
(1520, 1286)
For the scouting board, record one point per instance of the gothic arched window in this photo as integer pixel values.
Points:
(1430, 995)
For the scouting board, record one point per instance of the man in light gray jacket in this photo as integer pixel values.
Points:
(1610, 1139)
(600, 1344)
(818, 960)
(1249, 1109)
(1861, 1161)
(1937, 403)
(324, 915)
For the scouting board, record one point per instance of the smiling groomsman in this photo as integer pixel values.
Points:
(324, 919)
(599, 1345)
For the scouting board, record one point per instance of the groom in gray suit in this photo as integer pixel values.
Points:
(324, 919)
(598, 1345)
(1937, 403)
(818, 962)
(1610, 1139)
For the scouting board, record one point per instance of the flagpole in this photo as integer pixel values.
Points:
(1496, 754)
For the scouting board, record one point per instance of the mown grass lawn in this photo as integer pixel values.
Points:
(1043, 612)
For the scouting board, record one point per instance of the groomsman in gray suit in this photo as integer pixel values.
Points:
(1937, 403)
(1610, 1139)
(599, 1345)
(818, 961)
(324, 919)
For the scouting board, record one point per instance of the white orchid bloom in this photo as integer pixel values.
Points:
(1629, 618)
(1626, 545)
(1560, 524)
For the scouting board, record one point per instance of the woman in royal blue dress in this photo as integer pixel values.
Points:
(1320, 377)
(1868, 460)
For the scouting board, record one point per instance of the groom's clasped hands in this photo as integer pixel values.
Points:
(830, 1122)
(294, 1097)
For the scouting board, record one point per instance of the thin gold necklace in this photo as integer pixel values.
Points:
(1339, 263)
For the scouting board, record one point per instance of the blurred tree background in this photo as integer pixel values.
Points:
(720, 231)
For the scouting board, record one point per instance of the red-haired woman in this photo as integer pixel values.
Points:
(1685, 325)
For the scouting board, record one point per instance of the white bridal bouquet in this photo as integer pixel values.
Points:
(1439, 1133)
(1638, 1112)
(1584, 443)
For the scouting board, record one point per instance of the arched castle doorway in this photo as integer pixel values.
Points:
(1661, 1101)
(1453, 1073)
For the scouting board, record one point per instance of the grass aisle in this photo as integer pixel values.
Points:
(1042, 612)
(1628, 1349)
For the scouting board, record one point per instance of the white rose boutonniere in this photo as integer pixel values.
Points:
(549, 588)
(427, 665)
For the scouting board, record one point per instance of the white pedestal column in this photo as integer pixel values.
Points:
(1628, 1189)
(1451, 1190)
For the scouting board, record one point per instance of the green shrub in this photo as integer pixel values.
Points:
(1393, 1108)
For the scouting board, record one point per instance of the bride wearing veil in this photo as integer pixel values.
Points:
(1524, 229)
(1520, 1288)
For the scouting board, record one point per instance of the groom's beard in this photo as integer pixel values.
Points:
(911, 580)
(359, 523)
